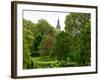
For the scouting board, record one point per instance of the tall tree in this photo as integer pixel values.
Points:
(47, 45)
(62, 46)
(75, 22)
(36, 42)
(78, 25)
(85, 47)
(28, 37)
(43, 27)
(42, 31)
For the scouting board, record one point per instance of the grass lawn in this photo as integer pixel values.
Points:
(38, 62)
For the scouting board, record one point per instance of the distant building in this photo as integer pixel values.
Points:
(58, 27)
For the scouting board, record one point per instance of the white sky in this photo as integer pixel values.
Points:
(51, 17)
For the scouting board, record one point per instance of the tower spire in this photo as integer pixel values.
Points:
(58, 24)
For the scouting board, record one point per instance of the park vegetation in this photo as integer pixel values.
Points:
(44, 46)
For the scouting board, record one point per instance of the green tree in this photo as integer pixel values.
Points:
(78, 26)
(36, 42)
(74, 22)
(43, 27)
(43, 31)
(85, 47)
(62, 46)
(28, 33)
(26, 56)
(47, 45)
(28, 37)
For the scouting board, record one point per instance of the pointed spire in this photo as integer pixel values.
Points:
(58, 24)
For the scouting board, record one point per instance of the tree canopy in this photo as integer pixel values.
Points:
(57, 48)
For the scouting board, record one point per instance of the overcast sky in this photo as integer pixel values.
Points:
(51, 17)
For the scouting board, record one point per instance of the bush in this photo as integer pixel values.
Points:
(48, 64)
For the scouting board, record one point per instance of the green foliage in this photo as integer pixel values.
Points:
(34, 35)
(46, 46)
(78, 25)
(27, 42)
(62, 46)
(75, 22)
(85, 47)
(36, 42)
(43, 27)
(44, 34)
(28, 34)
(71, 47)
(26, 56)
(45, 64)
